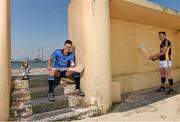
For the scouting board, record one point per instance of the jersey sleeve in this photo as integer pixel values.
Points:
(72, 58)
(54, 55)
(167, 43)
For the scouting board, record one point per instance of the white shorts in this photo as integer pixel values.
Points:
(165, 64)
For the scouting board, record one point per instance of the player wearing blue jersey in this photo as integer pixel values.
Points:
(63, 58)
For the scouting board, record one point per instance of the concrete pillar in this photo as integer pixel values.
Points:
(5, 56)
(97, 82)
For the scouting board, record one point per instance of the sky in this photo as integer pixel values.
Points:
(174, 4)
(37, 24)
(44, 24)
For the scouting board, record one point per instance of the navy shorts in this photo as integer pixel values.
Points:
(62, 73)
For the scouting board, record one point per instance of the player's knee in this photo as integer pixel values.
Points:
(57, 74)
(69, 74)
(162, 74)
(167, 72)
(52, 72)
(168, 76)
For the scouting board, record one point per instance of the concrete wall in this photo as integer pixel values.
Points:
(75, 28)
(128, 65)
(89, 28)
(133, 82)
(130, 71)
(177, 49)
(125, 38)
(5, 62)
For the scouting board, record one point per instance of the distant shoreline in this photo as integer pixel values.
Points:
(29, 61)
(33, 64)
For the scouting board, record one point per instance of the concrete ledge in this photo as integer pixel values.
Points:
(134, 82)
(144, 12)
(155, 6)
(116, 91)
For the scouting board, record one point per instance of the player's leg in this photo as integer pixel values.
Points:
(76, 76)
(163, 78)
(57, 77)
(51, 80)
(69, 74)
(169, 77)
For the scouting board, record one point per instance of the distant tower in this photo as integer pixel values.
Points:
(38, 55)
(42, 54)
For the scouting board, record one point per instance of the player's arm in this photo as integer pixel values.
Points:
(153, 58)
(49, 63)
(50, 60)
(162, 52)
(72, 60)
(156, 56)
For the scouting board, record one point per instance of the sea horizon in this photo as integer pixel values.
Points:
(33, 64)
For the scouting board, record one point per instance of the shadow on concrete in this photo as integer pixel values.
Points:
(141, 98)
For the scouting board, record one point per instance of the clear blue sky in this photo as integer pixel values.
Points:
(174, 4)
(44, 24)
(37, 23)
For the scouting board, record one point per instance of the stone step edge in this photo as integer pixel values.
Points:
(76, 114)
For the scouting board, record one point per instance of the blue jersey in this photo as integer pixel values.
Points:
(61, 60)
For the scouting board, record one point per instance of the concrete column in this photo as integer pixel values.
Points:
(5, 56)
(97, 82)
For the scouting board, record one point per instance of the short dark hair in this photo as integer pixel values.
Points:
(68, 42)
(162, 32)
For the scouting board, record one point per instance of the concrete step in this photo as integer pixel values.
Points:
(51, 113)
(37, 81)
(35, 90)
(43, 105)
(33, 81)
(18, 84)
(67, 85)
(20, 109)
(34, 93)
(41, 80)
(74, 100)
(20, 95)
(39, 92)
(42, 108)
(68, 114)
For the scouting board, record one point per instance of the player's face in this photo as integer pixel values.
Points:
(162, 37)
(67, 48)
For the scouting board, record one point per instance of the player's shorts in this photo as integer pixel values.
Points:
(63, 73)
(165, 64)
(58, 79)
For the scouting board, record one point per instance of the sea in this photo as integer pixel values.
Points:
(17, 65)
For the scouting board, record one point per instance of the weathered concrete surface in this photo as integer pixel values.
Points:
(145, 105)
(67, 106)
(141, 105)
(75, 114)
